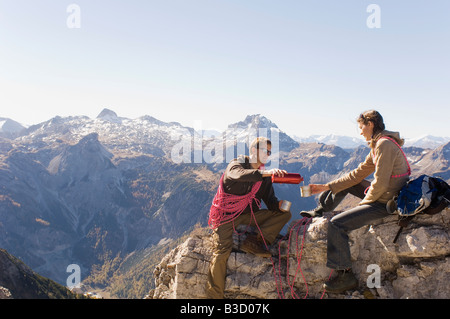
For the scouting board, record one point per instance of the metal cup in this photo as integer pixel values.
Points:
(286, 206)
(305, 191)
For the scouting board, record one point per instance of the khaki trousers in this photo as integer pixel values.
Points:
(269, 222)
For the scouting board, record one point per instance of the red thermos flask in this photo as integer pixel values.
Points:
(287, 179)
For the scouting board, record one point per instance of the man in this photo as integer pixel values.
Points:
(242, 186)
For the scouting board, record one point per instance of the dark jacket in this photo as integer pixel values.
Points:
(239, 178)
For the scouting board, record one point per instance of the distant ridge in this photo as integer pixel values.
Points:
(347, 142)
(10, 128)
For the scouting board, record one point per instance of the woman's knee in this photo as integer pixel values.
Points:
(337, 223)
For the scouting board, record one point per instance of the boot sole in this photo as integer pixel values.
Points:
(310, 214)
(339, 291)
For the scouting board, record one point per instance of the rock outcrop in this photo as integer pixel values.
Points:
(5, 293)
(417, 266)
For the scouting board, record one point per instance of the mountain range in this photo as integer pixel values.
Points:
(111, 190)
(10, 128)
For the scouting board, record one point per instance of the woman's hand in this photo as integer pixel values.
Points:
(318, 188)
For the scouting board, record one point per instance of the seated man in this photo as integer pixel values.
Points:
(241, 188)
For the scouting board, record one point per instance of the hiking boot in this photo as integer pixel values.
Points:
(255, 246)
(312, 213)
(345, 280)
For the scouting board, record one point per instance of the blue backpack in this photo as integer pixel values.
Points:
(423, 195)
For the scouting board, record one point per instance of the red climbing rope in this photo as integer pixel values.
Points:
(227, 207)
(299, 252)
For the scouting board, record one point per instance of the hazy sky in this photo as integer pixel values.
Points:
(309, 66)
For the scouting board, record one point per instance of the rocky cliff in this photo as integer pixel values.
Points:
(18, 281)
(417, 266)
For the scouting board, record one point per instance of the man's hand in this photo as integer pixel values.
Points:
(274, 171)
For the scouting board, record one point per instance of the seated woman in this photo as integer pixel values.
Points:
(391, 172)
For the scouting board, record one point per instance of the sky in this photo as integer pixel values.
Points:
(311, 67)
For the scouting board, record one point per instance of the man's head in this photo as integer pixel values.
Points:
(260, 150)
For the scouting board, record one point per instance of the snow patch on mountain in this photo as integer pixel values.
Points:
(427, 141)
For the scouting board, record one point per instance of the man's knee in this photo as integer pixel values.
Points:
(286, 216)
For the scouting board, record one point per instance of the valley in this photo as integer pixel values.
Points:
(106, 193)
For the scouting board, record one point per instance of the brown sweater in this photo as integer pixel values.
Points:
(384, 160)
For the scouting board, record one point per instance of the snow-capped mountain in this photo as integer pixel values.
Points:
(258, 125)
(10, 128)
(143, 135)
(236, 140)
(427, 141)
(345, 142)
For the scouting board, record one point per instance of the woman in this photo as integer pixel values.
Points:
(391, 172)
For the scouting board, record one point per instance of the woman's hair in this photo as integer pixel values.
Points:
(374, 117)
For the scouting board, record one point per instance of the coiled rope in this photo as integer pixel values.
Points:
(227, 207)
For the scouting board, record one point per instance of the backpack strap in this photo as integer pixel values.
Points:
(408, 173)
(402, 222)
